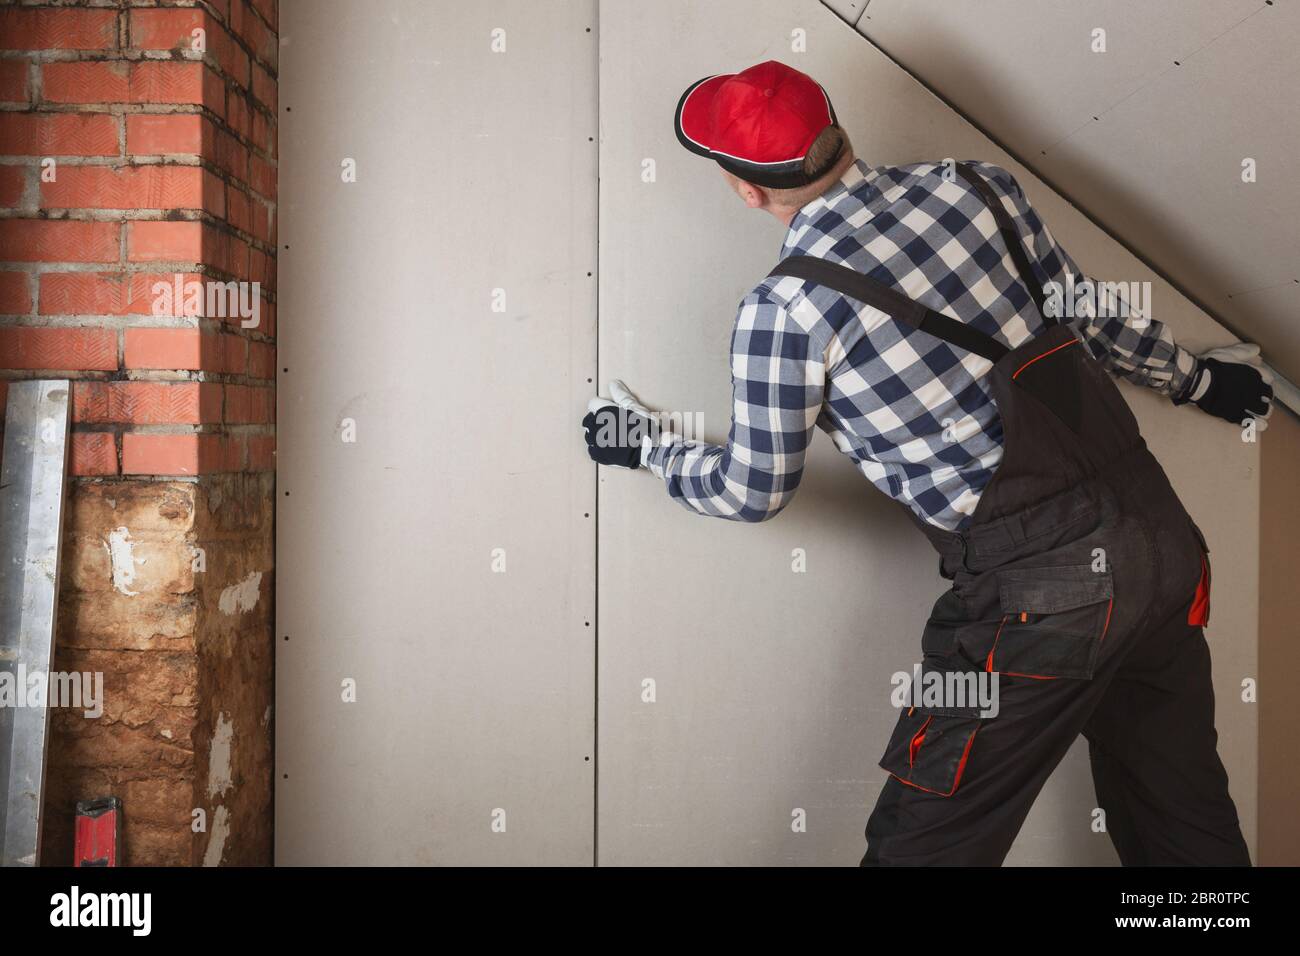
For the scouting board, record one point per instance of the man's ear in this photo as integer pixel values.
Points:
(754, 196)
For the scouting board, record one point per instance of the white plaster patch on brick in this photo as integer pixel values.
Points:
(241, 597)
(219, 779)
(121, 555)
(217, 837)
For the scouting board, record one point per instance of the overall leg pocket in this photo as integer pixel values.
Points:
(1053, 622)
(932, 738)
(929, 751)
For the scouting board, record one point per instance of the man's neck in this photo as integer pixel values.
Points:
(786, 214)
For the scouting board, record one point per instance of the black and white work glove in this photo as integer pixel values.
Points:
(1231, 383)
(619, 429)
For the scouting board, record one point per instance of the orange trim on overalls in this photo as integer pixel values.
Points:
(1044, 355)
(1198, 615)
(917, 739)
(988, 664)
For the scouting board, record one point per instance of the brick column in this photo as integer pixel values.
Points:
(137, 145)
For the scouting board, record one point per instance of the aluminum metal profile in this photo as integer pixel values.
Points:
(33, 479)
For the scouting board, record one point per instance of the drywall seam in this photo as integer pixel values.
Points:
(595, 497)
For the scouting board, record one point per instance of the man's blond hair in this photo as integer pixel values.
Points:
(824, 148)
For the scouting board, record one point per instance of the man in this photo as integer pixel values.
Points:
(916, 318)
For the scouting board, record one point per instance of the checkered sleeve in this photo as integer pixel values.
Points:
(778, 378)
(1127, 340)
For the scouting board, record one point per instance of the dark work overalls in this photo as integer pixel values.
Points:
(1084, 584)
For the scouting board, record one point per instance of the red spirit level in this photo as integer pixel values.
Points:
(99, 827)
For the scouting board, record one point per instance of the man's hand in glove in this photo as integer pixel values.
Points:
(618, 428)
(1231, 383)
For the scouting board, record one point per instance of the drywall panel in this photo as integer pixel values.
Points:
(1279, 645)
(440, 310)
(850, 10)
(1148, 135)
(770, 687)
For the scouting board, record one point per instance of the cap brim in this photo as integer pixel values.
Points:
(692, 108)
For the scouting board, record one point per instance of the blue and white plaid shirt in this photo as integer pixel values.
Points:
(914, 413)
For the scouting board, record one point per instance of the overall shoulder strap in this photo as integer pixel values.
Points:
(1010, 236)
(892, 302)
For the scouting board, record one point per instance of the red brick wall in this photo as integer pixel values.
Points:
(164, 164)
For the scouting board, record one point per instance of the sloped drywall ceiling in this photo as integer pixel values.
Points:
(1144, 125)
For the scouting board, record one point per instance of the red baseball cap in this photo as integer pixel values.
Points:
(757, 124)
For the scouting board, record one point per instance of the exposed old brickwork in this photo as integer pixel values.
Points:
(129, 158)
(186, 663)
